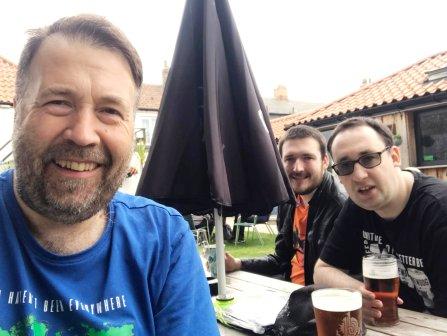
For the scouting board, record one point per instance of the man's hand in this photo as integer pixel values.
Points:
(371, 306)
(232, 264)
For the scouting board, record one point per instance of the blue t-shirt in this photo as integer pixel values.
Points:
(142, 277)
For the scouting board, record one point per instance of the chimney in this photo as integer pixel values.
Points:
(365, 82)
(280, 93)
(164, 73)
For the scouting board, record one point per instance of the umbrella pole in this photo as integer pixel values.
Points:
(220, 256)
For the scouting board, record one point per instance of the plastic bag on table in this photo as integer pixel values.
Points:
(249, 311)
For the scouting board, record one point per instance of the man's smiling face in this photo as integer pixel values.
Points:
(74, 129)
(304, 164)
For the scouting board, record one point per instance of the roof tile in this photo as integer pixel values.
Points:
(408, 83)
(7, 81)
(150, 97)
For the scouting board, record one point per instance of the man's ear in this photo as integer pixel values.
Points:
(326, 161)
(395, 155)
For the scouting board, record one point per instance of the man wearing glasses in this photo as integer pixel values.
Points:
(390, 211)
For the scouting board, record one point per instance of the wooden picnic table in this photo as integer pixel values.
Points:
(411, 323)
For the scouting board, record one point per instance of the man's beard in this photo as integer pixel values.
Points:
(62, 199)
(310, 188)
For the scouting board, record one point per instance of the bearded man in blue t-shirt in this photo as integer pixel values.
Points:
(78, 258)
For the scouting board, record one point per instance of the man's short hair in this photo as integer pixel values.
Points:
(93, 29)
(383, 131)
(302, 132)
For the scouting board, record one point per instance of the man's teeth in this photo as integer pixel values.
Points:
(365, 188)
(78, 166)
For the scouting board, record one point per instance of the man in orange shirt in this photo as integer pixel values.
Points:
(302, 227)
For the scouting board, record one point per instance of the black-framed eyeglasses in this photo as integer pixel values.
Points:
(368, 160)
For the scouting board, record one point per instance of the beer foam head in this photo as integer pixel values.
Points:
(336, 300)
(380, 267)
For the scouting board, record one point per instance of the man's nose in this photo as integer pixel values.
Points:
(83, 128)
(359, 172)
(298, 166)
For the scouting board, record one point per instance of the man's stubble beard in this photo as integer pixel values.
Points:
(308, 190)
(58, 199)
(311, 188)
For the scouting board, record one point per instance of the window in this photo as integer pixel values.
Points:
(436, 74)
(148, 123)
(431, 137)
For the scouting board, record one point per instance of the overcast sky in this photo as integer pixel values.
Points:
(319, 49)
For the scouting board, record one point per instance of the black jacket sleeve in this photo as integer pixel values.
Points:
(279, 261)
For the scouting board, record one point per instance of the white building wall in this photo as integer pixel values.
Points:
(6, 126)
(146, 120)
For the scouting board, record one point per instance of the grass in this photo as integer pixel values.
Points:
(252, 246)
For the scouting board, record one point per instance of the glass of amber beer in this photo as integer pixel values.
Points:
(380, 276)
(338, 312)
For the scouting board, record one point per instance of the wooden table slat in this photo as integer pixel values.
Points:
(433, 322)
(238, 285)
(256, 279)
(405, 329)
(372, 333)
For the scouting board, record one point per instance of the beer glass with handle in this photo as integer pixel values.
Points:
(338, 312)
(380, 276)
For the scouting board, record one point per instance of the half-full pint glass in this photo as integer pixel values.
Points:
(338, 312)
(380, 276)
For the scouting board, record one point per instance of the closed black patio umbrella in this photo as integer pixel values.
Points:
(213, 146)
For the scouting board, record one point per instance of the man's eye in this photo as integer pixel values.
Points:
(366, 159)
(58, 107)
(57, 102)
(111, 111)
(345, 165)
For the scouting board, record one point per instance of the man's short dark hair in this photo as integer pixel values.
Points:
(302, 132)
(383, 131)
(90, 28)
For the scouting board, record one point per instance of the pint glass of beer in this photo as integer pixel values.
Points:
(338, 312)
(381, 277)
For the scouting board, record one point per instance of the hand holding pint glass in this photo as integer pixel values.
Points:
(338, 312)
(380, 276)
